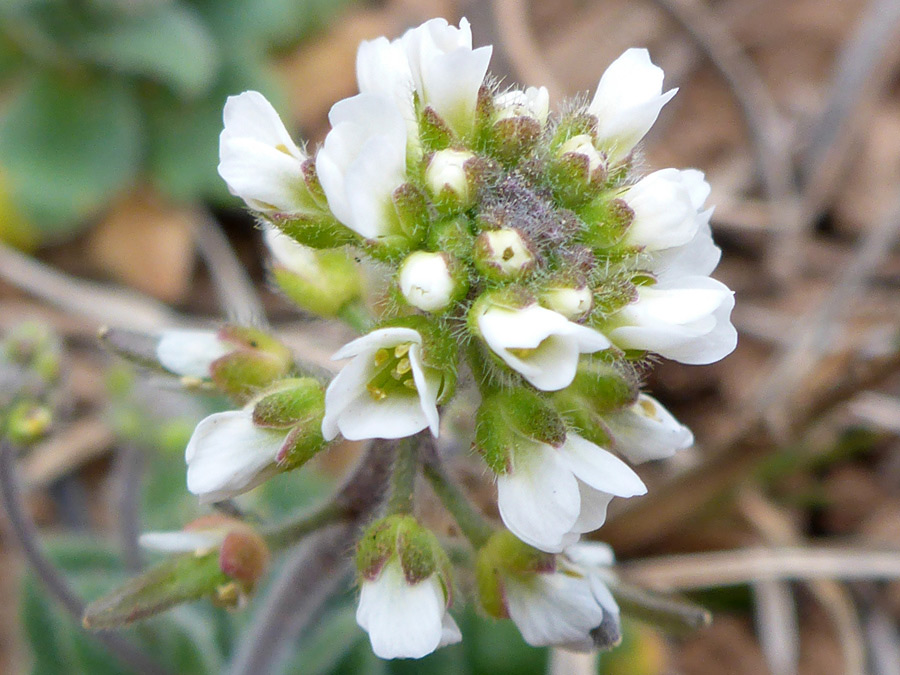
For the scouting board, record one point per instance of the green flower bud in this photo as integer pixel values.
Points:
(257, 360)
(606, 221)
(321, 282)
(453, 235)
(400, 538)
(432, 281)
(598, 388)
(450, 181)
(577, 172)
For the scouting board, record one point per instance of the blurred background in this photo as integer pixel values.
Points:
(785, 518)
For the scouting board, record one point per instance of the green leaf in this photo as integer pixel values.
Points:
(167, 42)
(68, 147)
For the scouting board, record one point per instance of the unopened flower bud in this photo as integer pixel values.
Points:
(27, 422)
(320, 281)
(448, 180)
(503, 254)
(583, 145)
(570, 301)
(534, 102)
(427, 281)
(607, 221)
(244, 555)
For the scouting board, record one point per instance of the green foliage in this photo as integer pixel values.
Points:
(107, 91)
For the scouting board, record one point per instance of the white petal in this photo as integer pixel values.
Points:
(600, 469)
(375, 340)
(228, 454)
(182, 541)
(392, 417)
(591, 554)
(628, 100)
(664, 208)
(427, 384)
(293, 256)
(594, 504)
(382, 68)
(263, 176)
(538, 500)
(452, 83)
(553, 609)
(698, 257)
(250, 115)
(450, 633)
(403, 621)
(425, 281)
(647, 431)
(687, 320)
(190, 353)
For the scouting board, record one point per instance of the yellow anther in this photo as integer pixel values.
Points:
(401, 350)
(410, 383)
(381, 356)
(377, 393)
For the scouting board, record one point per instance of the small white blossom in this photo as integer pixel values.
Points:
(534, 102)
(686, 319)
(568, 606)
(405, 621)
(191, 353)
(540, 344)
(386, 391)
(550, 496)
(258, 159)
(425, 281)
(646, 431)
(446, 171)
(698, 257)
(584, 145)
(666, 207)
(228, 454)
(362, 163)
(627, 102)
(436, 62)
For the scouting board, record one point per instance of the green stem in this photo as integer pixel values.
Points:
(356, 315)
(669, 614)
(472, 524)
(403, 477)
(286, 534)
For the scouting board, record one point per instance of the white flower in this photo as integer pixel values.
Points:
(191, 353)
(258, 159)
(583, 145)
(405, 621)
(228, 454)
(434, 61)
(503, 253)
(362, 162)
(568, 606)
(666, 207)
(646, 430)
(386, 391)
(540, 344)
(686, 319)
(550, 496)
(568, 301)
(425, 281)
(446, 172)
(533, 102)
(627, 102)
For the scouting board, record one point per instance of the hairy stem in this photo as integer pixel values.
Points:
(472, 524)
(403, 478)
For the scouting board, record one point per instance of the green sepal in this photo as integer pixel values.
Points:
(514, 420)
(512, 139)
(574, 124)
(179, 579)
(257, 361)
(504, 555)
(433, 130)
(288, 403)
(314, 230)
(416, 550)
(606, 221)
(453, 235)
(411, 206)
(377, 545)
(572, 182)
(304, 442)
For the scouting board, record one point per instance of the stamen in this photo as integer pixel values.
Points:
(381, 356)
(401, 350)
(377, 393)
(410, 383)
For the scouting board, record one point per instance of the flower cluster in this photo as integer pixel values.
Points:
(523, 248)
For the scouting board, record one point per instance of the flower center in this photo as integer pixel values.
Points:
(393, 373)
